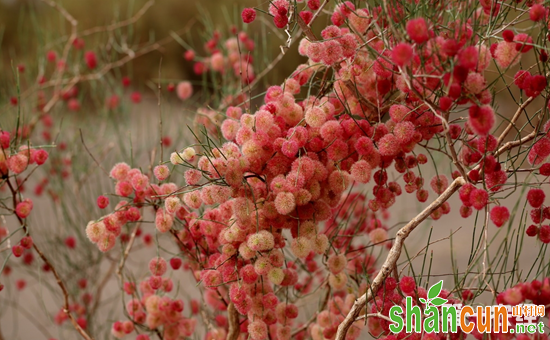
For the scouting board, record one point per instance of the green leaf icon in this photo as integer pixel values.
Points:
(438, 301)
(422, 300)
(435, 290)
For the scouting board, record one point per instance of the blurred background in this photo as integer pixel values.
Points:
(29, 28)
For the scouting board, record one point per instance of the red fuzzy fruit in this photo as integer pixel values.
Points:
(467, 295)
(445, 103)
(26, 242)
(417, 29)
(402, 54)
(534, 85)
(175, 263)
(535, 197)
(468, 57)
(524, 43)
(126, 81)
(306, 16)
(460, 73)
(543, 56)
(482, 119)
(422, 158)
(499, 215)
(450, 47)
(407, 285)
(544, 233)
(280, 21)
(102, 202)
(545, 169)
(537, 215)
(520, 77)
(537, 12)
(465, 211)
(91, 60)
(532, 230)
(23, 209)
(465, 192)
(508, 35)
(135, 97)
(70, 242)
(17, 250)
(479, 198)
(248, 15)
(313, 4)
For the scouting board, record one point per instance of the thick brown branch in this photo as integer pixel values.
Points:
(392, 258)
(234, 327)
(307, 30)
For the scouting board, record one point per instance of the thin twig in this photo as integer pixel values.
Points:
(127, 251)
(160, 116)
(90, 153)
(61, 70)
(514, 120)
(120, 24)
(317, 13)
(374, 315)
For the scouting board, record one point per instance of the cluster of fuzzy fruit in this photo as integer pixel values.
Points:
(152, 308)
(288, 164)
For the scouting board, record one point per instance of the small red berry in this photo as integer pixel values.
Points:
(543, 56)
(306, 16)
(280, 21)
(135, 97)
(536, 197)
(508, 35)
(537, 12)
(544, 233)
(102, 202)
(532, 230)
(402, 54)
(499, 215)
(407, 285)
(125, 81)
(479, 198)
(70, 242)
(26, 242)
(17, 250)
(248, 15)
(313, 4)
(175, 263)
(467, 295)
(91, 60)
(469, 57)
(417, 29)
